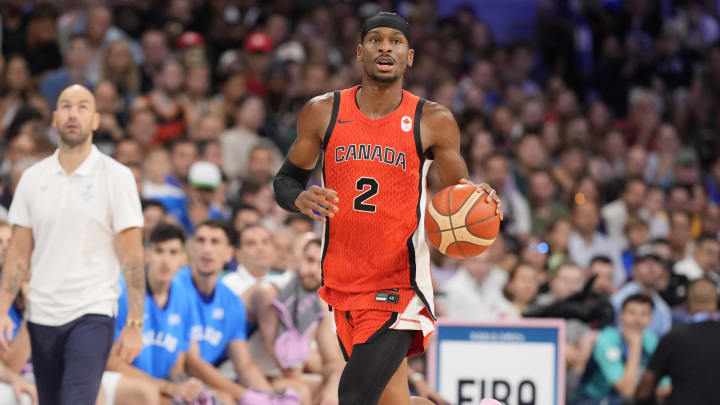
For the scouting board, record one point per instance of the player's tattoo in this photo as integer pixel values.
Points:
(14, 279)
(135, 278)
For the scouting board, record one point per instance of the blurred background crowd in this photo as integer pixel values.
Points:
(597, 122)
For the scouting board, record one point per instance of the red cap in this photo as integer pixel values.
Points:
(258, 41)
(190, 38)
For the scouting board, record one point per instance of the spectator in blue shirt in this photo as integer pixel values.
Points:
(647, 272)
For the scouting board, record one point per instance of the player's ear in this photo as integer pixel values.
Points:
(359, 53)
(54, 119)
(96, 121)
(411, 57)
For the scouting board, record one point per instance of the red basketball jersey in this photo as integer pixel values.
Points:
(374, 250)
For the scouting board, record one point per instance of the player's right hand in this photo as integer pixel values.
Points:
(6, 331)
(317, 199)
(188, 390)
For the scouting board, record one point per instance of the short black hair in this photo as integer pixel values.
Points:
(640, 299)
(600, 259)
(230, 233)
(297, 216)
(23, 115)
(165, 231)
(150, 203)
(244, 207)
(250, 186)
(44, 12)
(631, 180)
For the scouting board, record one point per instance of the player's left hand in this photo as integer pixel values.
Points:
(491, 195)
(129, 344)
(20, 387)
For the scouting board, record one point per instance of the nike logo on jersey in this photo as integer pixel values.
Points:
(344, 122)
(381, 154)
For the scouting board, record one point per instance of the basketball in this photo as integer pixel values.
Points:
(460, 222)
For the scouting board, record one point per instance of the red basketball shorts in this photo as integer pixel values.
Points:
(365, 325)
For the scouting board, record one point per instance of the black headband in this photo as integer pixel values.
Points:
(385, 19)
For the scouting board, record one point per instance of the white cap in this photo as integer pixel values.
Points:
(205, 175)
(291, 52)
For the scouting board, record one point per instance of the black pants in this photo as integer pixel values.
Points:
(371, 366)
(69, 360)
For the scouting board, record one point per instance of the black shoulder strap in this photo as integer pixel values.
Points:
(416, 129)
(333, 118)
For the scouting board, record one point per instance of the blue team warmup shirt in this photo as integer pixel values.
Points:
(222, 318)
(167, 331)
(17, 319)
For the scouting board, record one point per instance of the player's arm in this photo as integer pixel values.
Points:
(130, 252)
(291, 180)
(18, 384)
(440, 130)
(19, 353)
(247, 371)
(15, 271)
(201, 369)
(188, 390)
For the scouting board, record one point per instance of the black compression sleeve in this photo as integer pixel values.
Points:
(289, 182)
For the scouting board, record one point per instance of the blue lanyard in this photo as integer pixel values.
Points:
(703, 317)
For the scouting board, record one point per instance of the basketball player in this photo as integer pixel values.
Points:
(377, 142)
(76, 221)
(222, 317)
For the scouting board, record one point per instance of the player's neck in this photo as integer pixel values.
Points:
(160, 291)
(205, 283)
(71, 157)
(377, 101)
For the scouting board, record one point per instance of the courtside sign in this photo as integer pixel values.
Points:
(516, 362)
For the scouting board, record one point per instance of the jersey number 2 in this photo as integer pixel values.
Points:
(369, 188)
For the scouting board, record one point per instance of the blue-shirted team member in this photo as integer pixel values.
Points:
(13, 388)
(169, 318)
(222, 317)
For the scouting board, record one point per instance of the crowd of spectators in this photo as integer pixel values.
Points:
(600, 134)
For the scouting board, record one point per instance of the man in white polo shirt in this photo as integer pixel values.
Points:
(76, 221)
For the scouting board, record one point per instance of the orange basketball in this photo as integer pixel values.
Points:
(460, 222)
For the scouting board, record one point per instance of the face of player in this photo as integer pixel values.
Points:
(211, 249)
(5, 234)
(385, 54)
(166, 258)
(257, 249)
(309, 270)
(636, 316)
(76, 117)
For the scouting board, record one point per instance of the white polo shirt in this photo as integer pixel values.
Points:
(74, 220)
